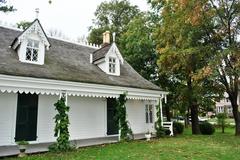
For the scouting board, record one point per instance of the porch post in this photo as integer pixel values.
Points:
(64, 95)
(119, 132)
(161, 112)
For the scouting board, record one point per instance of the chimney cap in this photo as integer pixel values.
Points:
(106, 37)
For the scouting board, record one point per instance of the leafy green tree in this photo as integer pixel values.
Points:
(224, 37)
(184, 53)
(23, 24)
(96, 35)
(4, 7)
(133, 34)
(114, 16)
(138, 47)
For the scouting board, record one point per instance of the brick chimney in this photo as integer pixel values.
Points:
(106, 37)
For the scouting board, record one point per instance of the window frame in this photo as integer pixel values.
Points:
(112, 65)
(149, 113)
(32, 45)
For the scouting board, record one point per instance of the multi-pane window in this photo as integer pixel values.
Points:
(32, 50)
(229, 109)
(112, 65)
(149, 113)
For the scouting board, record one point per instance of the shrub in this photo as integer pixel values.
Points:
(56, 148)
(178, 128)
(160, 131)
(22, 143)
(167, 132)
(206, 128)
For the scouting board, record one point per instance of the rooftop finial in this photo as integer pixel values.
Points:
(37, 12)
(114, 36)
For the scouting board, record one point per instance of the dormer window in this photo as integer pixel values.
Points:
(31, 44)
(32, 50)
(108, 58)
(112, 65)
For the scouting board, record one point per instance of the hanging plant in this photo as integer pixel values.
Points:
(61, 127)
(160, 131)
(125, 131)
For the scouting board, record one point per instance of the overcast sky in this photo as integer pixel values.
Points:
(71, 17)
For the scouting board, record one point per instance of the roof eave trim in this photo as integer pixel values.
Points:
(55, 87)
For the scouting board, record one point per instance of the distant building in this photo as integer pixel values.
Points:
(224, 105)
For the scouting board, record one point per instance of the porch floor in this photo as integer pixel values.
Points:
(43, 147)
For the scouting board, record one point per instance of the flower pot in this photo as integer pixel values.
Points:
(148, 136)
(22, 149)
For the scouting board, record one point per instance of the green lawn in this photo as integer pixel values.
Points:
(218, 146)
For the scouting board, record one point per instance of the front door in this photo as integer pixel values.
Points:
(26, 124)
(112, 124)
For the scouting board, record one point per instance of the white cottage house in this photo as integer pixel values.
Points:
(35, 70)
(225, 106)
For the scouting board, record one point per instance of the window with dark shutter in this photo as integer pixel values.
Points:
(26, 123)
(150, 113)
(146, 113)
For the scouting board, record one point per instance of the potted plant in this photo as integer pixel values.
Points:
(148, 135)
(22, 145)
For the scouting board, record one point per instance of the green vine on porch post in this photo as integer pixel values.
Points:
(125, 131)
(160, 132)
(61, 127)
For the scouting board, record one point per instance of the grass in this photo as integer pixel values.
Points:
(216, 147)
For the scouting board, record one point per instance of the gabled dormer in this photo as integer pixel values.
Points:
(31, 44)
(108, 58)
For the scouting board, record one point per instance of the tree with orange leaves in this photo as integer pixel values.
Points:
(184, 52)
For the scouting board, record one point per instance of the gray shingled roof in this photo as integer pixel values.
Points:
(65, 61)
(101, 53)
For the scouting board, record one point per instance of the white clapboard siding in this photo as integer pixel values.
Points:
(8, 109)
(45, 122)
(136, 116)
(87, 117)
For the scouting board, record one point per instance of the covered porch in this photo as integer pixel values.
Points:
(88, 111)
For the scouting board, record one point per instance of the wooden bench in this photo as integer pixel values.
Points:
(168, 125)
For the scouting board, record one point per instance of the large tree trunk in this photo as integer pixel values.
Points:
(233, 97)
(193, 107)
(236, 115)
(194, 117)
(187, 118)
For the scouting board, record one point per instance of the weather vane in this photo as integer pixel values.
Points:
(37, 12)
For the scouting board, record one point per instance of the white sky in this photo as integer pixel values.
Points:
(71, 17)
